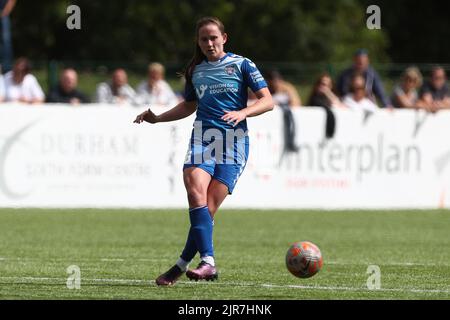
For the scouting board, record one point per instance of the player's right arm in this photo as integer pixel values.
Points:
(182, 110)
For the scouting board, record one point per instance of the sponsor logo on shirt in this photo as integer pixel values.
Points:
(216, 89)
(256, 76)
(223, 88)
(201, 90)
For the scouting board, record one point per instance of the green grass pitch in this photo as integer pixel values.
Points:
(121, 252)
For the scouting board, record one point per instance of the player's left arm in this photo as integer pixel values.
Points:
(263, 104)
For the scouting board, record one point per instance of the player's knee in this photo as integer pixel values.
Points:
(196, 196)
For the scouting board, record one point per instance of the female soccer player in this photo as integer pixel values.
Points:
(216, 86)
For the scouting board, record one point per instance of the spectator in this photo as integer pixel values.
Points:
(156, 91)
(286, 97)
(405, 94)
(118, 91)
(374, 86)
(283, 92)
(322, 95)
(6, 6)
(21, 85)
(2, 87)
(357, 99)
(66, 91)
(435, 94)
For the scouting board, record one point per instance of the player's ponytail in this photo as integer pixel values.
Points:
(198, 54)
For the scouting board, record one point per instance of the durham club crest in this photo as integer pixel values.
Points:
(230, 69)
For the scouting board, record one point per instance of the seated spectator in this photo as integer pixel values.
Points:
(21, 85)
(435, 94)
(322, 94)
(155, 90)
(357, 98)
(118, 91)
(374, 86)
(405, 94)
(66, 91)
(283, 92)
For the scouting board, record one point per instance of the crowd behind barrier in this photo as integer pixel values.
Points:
(357, 87)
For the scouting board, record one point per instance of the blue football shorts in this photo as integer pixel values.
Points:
(222, 157)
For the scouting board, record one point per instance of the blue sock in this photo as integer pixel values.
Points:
(202, 230)
(190, 249)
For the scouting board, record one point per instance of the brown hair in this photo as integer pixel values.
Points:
(198, 54)
(26, 64)
(317, 84)
(355, 76)
(319, 80)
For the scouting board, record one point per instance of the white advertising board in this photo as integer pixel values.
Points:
(94, 156)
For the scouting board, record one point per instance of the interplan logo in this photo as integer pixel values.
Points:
(5, 150)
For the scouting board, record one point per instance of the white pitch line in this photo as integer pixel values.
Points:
(108, 260)
(337, 263)
(357, 289)
(402, 264)
(20, 280)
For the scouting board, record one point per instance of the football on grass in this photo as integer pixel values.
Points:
(303, 259)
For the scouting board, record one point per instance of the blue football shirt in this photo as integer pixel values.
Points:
(221, 86)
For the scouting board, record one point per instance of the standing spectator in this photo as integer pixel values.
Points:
(156, 91)
(66, 91)
(405, 94)
(357, 98)
(6, 6)
(435, 94)
(286, 97)
(322, 95)
(21, 85)
(283, 92)
(118, 91)
(374, 87)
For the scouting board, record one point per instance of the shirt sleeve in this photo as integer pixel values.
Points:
(446, 90)
(83, 98)
(342, 85)
(189, 92)
(424, 90)
(378, 89)
(2, 87)
(53, 96)
(252, 76)
(168, 96)
(35, 89)
(102, 94)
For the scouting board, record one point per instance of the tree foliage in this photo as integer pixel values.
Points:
(265, 30)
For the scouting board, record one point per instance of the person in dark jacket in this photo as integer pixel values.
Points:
(374, 85)
(66, 91)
